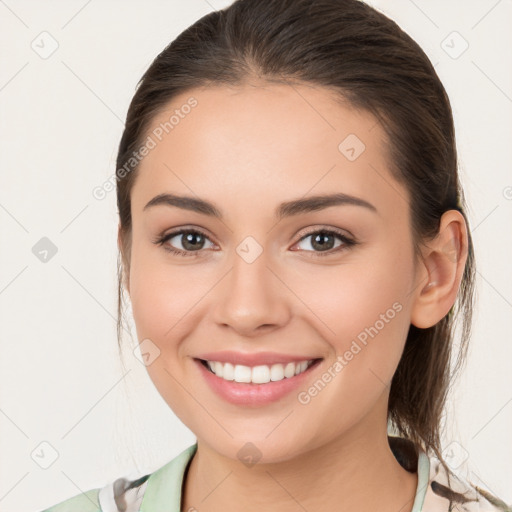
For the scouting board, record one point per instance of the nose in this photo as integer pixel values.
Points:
(251, 299)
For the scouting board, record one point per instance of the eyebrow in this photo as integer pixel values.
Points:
(286, 209)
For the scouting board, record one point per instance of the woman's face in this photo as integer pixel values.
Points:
(264, 276)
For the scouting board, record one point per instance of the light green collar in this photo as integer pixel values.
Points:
(423, 480)
(163, 491)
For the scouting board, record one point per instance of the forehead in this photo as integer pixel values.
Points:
(265, 142)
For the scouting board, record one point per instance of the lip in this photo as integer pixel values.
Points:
(254, 395)
(254, 358)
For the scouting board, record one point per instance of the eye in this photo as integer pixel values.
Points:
(191, 240)
(323, 242)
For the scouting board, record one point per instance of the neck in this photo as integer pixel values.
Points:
(353, 472)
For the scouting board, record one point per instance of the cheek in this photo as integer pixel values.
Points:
(163, 298)
(370, 326)
(163, 295)
(365, 311)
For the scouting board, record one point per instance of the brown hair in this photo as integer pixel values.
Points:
(356, 51)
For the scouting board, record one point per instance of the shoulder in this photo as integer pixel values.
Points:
(84, 502)
(120, 495)
(448, 490)
(154, 491)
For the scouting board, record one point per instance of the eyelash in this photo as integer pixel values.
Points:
(347, 242)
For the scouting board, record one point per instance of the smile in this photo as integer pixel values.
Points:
(257, 374)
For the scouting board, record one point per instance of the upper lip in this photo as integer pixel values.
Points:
(253, 359)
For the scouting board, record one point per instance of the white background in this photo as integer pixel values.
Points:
(61, 120)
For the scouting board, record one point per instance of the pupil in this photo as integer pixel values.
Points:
(189, 240)
(319, 241)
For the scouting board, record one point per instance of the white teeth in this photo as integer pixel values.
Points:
(242, 373)
(228, 371)
(260, 374)
(218, 369)
(289, 370)
(257, 374)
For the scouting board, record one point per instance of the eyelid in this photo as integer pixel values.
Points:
(347, 242)
(320, 227)
(163, 238)
(187, 229)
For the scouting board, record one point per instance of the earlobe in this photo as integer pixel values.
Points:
(441, 269)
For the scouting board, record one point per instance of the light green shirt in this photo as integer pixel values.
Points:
(161, 491)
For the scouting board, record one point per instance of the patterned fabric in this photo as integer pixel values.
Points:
(437, 491)
(458, 494)
(446, 491)
(123, 495)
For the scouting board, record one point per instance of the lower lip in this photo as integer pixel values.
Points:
(240, 393)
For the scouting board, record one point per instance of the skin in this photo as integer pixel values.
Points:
(247, 149)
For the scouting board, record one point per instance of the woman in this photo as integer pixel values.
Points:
(296, 250)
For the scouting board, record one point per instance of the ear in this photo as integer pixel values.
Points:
(440, 271)
(122, 244)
